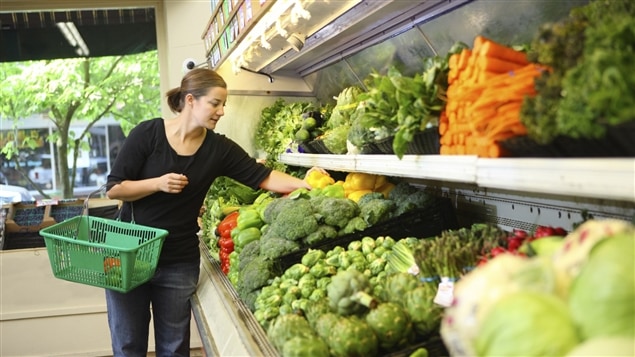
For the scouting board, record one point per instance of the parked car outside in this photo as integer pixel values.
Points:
(10, 194)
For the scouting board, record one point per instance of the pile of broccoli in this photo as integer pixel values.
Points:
(408, 198)
(293, 223)
(304, 221)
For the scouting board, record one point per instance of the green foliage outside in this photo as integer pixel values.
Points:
(72, 90)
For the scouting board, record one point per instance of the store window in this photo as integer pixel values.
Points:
(35, 35)
(38, 163)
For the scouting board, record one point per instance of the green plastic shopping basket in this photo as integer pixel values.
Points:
(103, 252)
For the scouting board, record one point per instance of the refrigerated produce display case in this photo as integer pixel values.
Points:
(341, 47)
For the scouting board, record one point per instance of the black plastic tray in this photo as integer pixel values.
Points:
(425, 142)
(618, 142)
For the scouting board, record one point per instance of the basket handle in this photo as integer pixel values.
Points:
(101, 189)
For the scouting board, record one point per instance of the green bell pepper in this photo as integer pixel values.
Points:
(333, 191)
(246, 236)
(247, 218)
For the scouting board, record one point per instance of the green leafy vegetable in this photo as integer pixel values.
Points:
(527, 324)
(603, 294)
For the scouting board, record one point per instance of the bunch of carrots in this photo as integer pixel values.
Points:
(486, 88)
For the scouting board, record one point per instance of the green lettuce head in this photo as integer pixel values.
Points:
(602, 297)
(527, 324)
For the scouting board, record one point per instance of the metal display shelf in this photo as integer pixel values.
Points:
(226, 325)
(603, 178)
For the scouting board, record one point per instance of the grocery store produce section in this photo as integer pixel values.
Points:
(482, 207)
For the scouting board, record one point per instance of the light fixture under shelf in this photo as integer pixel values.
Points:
(74, 38)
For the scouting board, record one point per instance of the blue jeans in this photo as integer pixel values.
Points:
(169, 293)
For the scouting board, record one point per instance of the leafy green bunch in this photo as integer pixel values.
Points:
(590, 84)
(277, 127)
(400, 105)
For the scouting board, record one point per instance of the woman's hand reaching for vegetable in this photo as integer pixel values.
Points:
(314, 169)
(172, 183)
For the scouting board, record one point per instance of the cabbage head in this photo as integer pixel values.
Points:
(602, 297)
(576, 247)
(527, 324)
(605, 346)
(481, 289)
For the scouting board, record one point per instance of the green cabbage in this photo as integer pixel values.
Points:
(480, 290)
(605, 346)
(602, 297)
(576, 247)
(527, 324)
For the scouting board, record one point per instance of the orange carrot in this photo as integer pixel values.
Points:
(496, 65)
(443, 127)
(491, 48)
(463, 59)
(495, 150)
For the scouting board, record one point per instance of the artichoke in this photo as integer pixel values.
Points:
(425, 314)
(324, 323)
(351, 336)
(305, 346)
(349, 291)
(286, 327)
(391, 324)
(315, 310)
(396, 286)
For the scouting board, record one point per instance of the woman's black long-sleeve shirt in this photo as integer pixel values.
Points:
(146, 153)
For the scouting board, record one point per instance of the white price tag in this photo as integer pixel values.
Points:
(445, 293)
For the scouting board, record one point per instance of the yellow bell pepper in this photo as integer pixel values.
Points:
(356, 195)
(385, 189)
(361, 181)
(318, 179)
(380, 181)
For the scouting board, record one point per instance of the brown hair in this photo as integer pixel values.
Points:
(196, 82)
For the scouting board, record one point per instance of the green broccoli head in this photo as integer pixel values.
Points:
(356, 224)
(249, 252)
(368, 197)
(335, 211)
(401, 191)
(273, 247)
(321, 234)
(376, 210)
(295, 220)
(273, 208)
(409, 198)
(256, 274)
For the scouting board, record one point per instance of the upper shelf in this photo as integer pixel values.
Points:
(257, 34)
(604, 178)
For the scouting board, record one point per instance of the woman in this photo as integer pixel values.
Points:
(162, 173)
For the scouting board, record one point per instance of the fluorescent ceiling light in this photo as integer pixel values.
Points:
(73, 37)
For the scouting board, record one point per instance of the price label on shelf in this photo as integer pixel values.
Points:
(445, 293)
